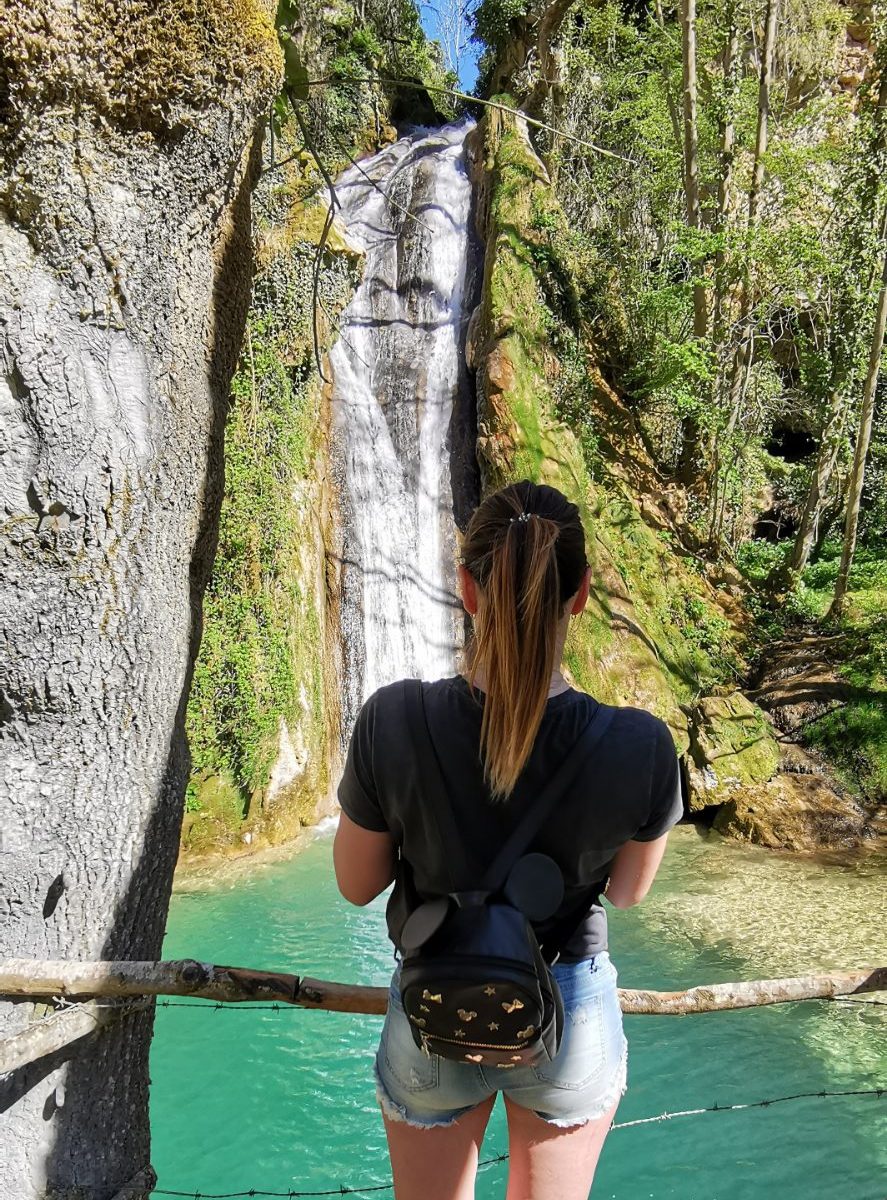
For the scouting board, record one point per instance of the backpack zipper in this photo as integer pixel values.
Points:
(429, 1037)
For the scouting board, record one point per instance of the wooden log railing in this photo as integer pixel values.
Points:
(22, 979)
(26, 978)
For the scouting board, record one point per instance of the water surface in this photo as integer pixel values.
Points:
(277, 1100)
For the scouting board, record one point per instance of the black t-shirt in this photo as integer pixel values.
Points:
(628, 790)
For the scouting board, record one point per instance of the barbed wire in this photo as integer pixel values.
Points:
(345, 1190)
(854, 1000)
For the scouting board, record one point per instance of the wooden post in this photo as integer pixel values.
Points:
(35, 978)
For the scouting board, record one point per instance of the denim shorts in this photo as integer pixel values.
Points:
(582, 1082)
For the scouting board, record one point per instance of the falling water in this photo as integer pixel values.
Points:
(398, 378)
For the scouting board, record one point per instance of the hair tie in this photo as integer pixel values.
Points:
(522, 517)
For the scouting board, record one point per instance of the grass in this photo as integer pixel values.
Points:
(854, 736)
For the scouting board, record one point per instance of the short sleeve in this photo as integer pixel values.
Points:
(357, 787)
(666, 802)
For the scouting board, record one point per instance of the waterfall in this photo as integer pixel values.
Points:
(398, 383)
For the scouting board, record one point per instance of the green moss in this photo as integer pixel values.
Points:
(652, 634)
(263, 659)
(734, 741)
(212, 813)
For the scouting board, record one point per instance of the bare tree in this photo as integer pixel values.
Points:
(863, 440)
(453, 30)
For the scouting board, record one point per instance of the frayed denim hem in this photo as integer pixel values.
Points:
(397, 1112)
(616, 1092)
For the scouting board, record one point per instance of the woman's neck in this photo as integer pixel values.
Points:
(556, 686)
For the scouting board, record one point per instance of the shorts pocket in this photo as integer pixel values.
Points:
(582, 1054)
(412, 1069)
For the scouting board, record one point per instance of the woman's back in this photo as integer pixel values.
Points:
(627, 789)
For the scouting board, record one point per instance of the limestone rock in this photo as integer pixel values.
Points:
(732, 747)
(792, 812)
(500, 370)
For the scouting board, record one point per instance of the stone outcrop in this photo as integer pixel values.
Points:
(732, 748)
(792, 812)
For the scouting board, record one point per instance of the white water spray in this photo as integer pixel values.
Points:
(397, 369)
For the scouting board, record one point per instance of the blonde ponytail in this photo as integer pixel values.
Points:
(525, 548)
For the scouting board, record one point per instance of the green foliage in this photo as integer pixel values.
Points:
(245, 674)
(873, 511)
(854, 736)
(356, 56)
(261, 659)
(609, 278)
(493, 22)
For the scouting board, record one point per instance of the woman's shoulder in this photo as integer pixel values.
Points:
(630, 724)
(389, 699)
(641, 719)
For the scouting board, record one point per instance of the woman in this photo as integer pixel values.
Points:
(498, 732)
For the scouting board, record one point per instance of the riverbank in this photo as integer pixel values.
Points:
(232, 864)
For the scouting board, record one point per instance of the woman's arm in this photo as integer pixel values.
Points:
(634, 869)
(364, 861)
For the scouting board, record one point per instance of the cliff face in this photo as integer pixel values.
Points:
(654, 634)
(663, 629)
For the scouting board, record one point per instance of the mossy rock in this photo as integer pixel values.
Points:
(151, 66)
(306, 225)
(651, 635)
(215, 813)
(732, 747)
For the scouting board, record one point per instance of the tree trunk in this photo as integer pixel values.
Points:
(743, 357)
(691, 149)
(829, 446)
(690, 463)
(763, 131)
(728, 143)
(860, 453)
(124, 280)
(666, 83)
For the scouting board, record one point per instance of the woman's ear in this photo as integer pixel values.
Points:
(581, 597)
(467, 589)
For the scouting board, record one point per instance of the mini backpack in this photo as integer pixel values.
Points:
(475, 984)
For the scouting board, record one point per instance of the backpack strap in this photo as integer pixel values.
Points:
(533, 819)
(463, 869)
(538, 812)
